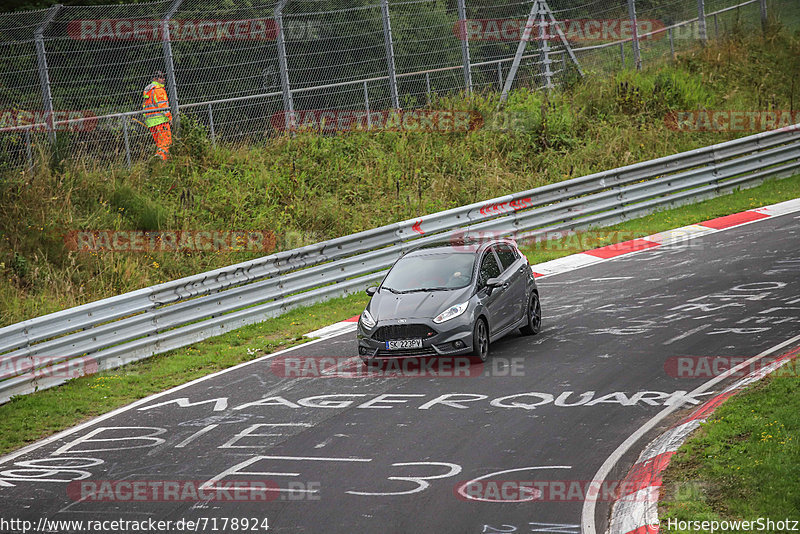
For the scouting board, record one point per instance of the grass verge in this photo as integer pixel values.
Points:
(28, 418)
(744, 463)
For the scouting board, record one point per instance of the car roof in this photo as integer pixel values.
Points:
(458, 244)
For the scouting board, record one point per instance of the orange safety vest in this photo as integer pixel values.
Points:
(156, 105)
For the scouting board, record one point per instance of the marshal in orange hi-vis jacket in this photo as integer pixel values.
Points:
(157, 115)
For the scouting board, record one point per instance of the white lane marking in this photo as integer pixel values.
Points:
(195, 436)
(588, 512)
(237, 469)
(336, 328)
(87, 424)
(611, 278)
(687, 334)
(556, 528)
(422, 482)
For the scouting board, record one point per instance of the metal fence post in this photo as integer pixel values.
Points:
(428, 88)
(211, 126)
(637, 55)
(288, 103)
(671, 44)
(366, 106)
(462, 18)
(44, 73)
(622, 54)
(172, 88)
(387, 38)
(716, 27)
(764, 20)
(124, 120)
(500, 74)
(701, 21)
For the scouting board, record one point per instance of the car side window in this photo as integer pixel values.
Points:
(489, 269)
(506, 254)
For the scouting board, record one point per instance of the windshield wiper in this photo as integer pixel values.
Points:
(426, 289)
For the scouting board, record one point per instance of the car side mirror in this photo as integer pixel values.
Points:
(494, 282)
(372, 290)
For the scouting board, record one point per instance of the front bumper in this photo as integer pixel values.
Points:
(450, 338)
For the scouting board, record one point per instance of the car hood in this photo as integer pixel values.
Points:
(386, 305)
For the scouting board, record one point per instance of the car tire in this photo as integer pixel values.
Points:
(480, 340)
(534, 316)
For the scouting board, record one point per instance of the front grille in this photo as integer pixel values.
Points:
(406, 353)
(403, 331)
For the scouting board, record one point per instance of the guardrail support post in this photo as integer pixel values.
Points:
(44, 73)
(764, 21)
(716, 27)
(701, 22)
(387, 39)
(28, 151)
(288, 103)
(211, 127)
(124, 120)
(462, 18)
(622, 54)
(637, 54)
(172, 88)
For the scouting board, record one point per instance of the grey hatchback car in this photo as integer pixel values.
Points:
(450, 298)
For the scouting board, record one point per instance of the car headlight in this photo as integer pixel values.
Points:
(367, 320)
(451, 312)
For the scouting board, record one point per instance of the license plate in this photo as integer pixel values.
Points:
(401, 344)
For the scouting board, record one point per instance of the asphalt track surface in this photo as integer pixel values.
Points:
(609, 329)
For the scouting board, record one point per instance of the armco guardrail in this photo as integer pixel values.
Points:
(114, 331)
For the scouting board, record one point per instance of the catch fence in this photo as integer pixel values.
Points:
(72, 76)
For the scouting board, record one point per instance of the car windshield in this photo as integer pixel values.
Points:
(430, 272)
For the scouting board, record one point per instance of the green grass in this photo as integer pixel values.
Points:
(311, 187)
(744, 463)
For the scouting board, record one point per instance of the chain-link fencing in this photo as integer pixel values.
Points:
(72, 77)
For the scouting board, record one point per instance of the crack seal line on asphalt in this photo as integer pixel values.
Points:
(588, 512)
